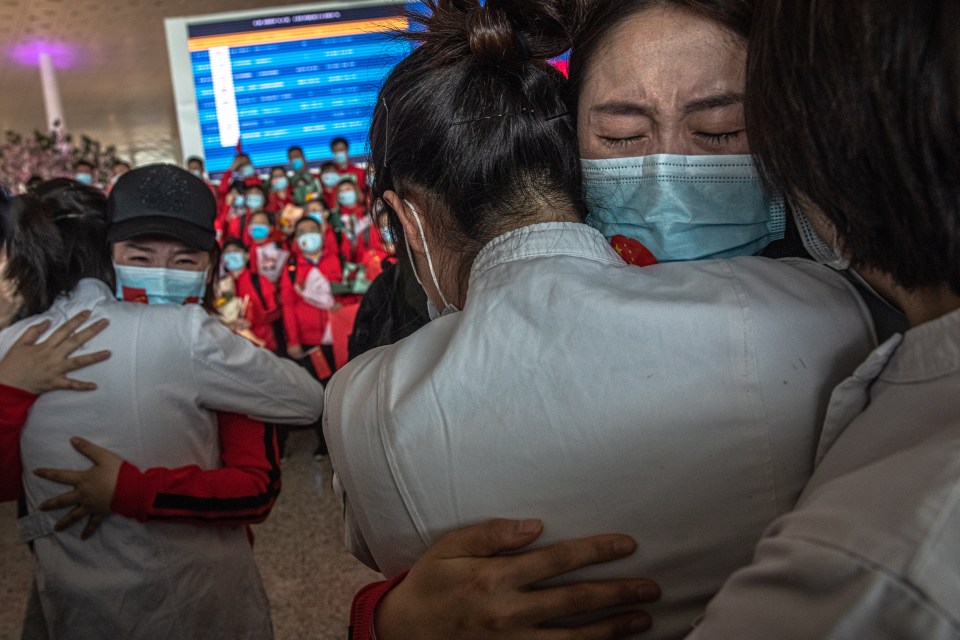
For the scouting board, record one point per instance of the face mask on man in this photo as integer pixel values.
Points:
(310, 242)
(330, 180)
(84, 178)
(160, 286)
(341, 157)
(684, 207)
(259, 231)
(247, 171)
(239, 201)
(280, 183)
(234, 261)
(347, 198)
(255, 201)
(297, 164)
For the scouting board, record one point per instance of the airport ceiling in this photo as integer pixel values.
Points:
(111, 65)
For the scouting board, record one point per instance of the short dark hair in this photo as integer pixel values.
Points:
(55, 236)
(599, 18)
(853, 107)
(234, 242)
(195, 159)
(295, 148)
(331, 166)
(337, 141)
(257, 187)
(474, 121)
(82, 163)
(121, 163)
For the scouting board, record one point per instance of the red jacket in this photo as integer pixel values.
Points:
(359, 174)
(278, 200)
(305, 324)
(241, 492)
(263, 306)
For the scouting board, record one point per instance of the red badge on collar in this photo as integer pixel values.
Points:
(632, 251)
(131, 294)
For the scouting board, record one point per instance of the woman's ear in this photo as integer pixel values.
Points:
(411, 230)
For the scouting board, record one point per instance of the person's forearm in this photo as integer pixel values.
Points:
(14, 407)
(243, 491)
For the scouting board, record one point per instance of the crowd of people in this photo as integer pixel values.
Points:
(687, 322)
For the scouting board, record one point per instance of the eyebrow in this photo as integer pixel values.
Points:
(718, 101)
(622, 108)
(180, 252)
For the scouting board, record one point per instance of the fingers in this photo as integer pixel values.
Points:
(61, 501)
(487, 538)
(76, 515)
(80, 362)
(73, 385)
(618, 626)
(554, 560)
(65, 330)
(87, 448)
(61, 476)
(80, 338)
(31, 335)
(583, 597)
(93, 523)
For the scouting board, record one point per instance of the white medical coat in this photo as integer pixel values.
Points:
(678, 403)
(872, 550)
(171, 368)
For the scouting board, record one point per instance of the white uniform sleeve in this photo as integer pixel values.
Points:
(799, 589)
(365, 480)
(236, 376)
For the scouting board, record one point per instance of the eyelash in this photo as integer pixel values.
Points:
(618, 143)
(719, 138)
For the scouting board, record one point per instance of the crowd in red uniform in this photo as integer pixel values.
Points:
(300, 247)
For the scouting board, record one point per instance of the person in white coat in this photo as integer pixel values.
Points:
(679, 403)
(872, 549)
(172, 368)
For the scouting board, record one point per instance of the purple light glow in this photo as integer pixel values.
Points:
(28, 53)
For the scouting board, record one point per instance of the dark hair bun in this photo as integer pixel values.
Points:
(499, 33)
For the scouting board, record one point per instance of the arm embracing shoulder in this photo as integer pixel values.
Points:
(235, 376)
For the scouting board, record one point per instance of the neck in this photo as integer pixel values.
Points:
(313, 257)
(919, 305)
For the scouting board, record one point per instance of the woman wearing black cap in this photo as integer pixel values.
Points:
(154, 406)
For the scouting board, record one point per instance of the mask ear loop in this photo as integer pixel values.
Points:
(426, 249)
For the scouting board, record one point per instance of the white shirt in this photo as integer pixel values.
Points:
(171, 368)
(873, 548)
(678, 403)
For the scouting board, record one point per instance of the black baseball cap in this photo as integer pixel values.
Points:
(162, 199)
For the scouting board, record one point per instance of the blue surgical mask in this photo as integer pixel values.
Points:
(259, 231)
(297, 164)
(310, 242)
(316, 215)
(279, 184)
(197, 173)
(684, 207)
(84, 178)
(247, 171)
(160, 286)
(255, 201)
(234, 261)
(341, 157)
(387, 234)
(239, 202)
(330, 180)
(347, 198)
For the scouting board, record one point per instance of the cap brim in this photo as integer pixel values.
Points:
(190, 234)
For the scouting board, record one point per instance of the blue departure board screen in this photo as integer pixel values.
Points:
(292, 79)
